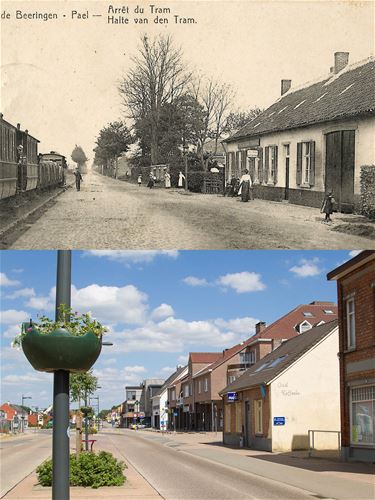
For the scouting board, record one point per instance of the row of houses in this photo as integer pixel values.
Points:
(314, 138)
(312, 369)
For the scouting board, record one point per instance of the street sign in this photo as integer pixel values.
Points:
(232, 396)
(252, 153)
(278, 420)
(175, 414)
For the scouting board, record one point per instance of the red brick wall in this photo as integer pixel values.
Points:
(361, 282)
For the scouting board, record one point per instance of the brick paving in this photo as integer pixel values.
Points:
(110, 214)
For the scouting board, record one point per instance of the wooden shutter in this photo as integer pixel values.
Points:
(266, 163)
(312, 163)
(260, 171)
(243, 161)
(299, 164)
(275, 155)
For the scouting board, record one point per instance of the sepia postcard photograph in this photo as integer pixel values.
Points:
(188, 125)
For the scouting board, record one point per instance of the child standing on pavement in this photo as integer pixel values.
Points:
(139, 180)
(327, 206)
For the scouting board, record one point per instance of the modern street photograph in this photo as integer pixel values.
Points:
(187, 125)
(187, 374)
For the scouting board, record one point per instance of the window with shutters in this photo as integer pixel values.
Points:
(271, 165)
(306, 163)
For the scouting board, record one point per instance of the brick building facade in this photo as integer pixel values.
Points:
(356, 301)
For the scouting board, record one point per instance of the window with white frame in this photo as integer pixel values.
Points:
(258, 412)
(247, 358)
(306, 162)
(362, 418)
(206, 384)
(350, 322)
(173, 394)
(231, 378)
(199, 386)
(186, 391)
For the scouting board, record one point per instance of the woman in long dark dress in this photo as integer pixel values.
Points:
(245, 185)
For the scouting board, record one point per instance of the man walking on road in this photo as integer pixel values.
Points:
(78, 177)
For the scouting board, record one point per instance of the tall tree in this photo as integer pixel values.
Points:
(78, 156)
(113, 140)
(158, 78)
(238, 119)
(82, 385)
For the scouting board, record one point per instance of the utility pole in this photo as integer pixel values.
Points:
(60, 441)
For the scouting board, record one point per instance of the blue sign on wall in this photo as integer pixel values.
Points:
(232, 396)
(278, 420)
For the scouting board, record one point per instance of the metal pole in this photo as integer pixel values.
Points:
(60, 439)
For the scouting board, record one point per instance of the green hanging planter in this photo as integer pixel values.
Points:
(60, 350)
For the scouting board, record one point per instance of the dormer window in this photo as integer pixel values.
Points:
(304, 326)
(328, 311)
(308, 314)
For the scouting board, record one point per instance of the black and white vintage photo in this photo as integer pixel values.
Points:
(201, 125)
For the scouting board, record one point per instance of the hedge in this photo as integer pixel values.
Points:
(368, 191)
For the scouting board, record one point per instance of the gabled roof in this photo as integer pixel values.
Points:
(349, 93)
(204, 357)
(169, 380)
(267, 368)
(283, 328)
(358, 261)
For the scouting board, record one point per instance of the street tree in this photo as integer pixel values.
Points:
(238, 119)
(158, 77)
(82, 385)
(113, 140)
(78, 156)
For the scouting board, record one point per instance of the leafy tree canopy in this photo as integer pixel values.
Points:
(113, 140)
(78, 155)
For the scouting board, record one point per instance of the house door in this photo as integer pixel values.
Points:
(340, 154)
(247, 437)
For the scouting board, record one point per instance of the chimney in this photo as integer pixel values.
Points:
(260, 326)
(18, 126)
(341, 60)
(285, 86)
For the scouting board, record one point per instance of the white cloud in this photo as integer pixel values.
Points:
(43, 303)
(13, 316)
(5, 281)
(132, 256)
(168, 370)
(28, 378)
(24, 292)
(111, 304)
(163, 311)
(244, 325)
(173, 335)
(183, 359)
(12, 331)
(307, 268)
(242, 282)
(109, 361)
(114, 379)
(353, 253)
(194, 281)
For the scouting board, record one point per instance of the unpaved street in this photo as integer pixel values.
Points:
(110, 214)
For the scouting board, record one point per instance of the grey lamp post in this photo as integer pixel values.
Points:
(23, 416)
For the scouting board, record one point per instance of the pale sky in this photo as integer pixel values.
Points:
(59, 77)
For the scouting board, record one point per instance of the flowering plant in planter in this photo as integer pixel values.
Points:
(71, 343)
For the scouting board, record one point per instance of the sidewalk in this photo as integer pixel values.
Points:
(135, 485)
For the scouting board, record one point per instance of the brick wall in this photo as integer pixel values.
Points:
(361, 283)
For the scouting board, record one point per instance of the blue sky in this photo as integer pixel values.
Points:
(158, 305)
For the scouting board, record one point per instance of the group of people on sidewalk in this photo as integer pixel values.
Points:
(240, 187)
(167, 180)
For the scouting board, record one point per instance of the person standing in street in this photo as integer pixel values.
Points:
(78, 177)
(181, 179)
(139, 180)
(167, 180)
(245, 185)
(327, 206)
(151, 181)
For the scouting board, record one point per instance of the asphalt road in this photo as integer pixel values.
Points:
(110, 214)
(20, 455)
(179, 475)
